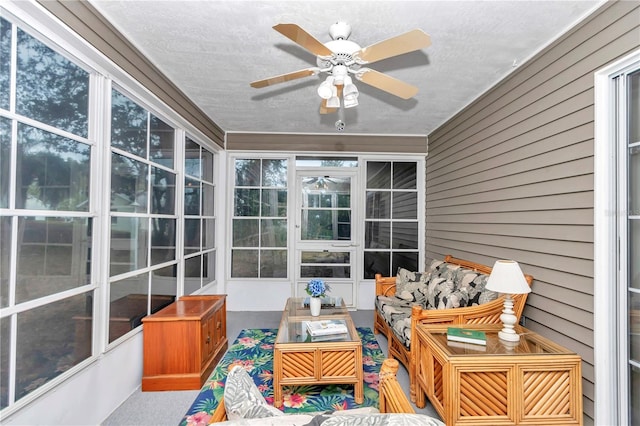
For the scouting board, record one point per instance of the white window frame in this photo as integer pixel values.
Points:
(611, 387)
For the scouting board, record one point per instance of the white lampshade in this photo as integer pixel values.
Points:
(333, 101)
(325, 90)
(507, 277)
(349, 93)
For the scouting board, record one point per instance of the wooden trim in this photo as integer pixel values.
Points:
(400, 144)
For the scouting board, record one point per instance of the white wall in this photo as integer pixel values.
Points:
(91, 395)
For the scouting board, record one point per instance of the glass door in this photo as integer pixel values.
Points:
(325, 232)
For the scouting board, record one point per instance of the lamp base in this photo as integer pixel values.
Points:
(509, 336)
(508, 321)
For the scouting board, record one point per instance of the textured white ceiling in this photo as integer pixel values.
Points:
(212, 49)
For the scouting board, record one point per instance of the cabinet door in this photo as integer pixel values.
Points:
(219, 326)
(206, 340)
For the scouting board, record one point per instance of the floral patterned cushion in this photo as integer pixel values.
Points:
(243, 400)
(444, 294)
(411, 286)
(474, 283)
(397, 314)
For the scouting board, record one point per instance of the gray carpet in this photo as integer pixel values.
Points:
(167, 408)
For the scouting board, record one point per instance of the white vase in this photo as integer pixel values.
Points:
(314, 305)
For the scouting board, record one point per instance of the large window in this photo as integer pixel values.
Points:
(88, 221)
(199, 217)
(391, 218)
(143, 262)
(259, 234)
(46, 224)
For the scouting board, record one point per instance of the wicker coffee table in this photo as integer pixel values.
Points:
(300, 359)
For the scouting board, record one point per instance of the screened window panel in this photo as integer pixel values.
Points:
(50, 88)
(274, 173)
(378, 175)
(192, 161)
(5, 63)
(273, 263)
(163, 240)
(5, 260)
(192, 235)
(208, 199)
(191, 197)
(634, 180)
(128, 184)
(163, 191)
(5, 330)
(378, 205)
(128, 304)
(247, 172)
(244, 263)
(53, 171)
(405, 205)
(207, 165)
(246, 232)
(164, 283)
(53, 256)
(406, 260)
(404, 175)
(247, 202)
(128, 125)
(129, 244)
(392, 228)
(51, 329)
(377, 235)
(377, 262)
(161, 142)
(273, 232)
(5, 161)
(405, 235)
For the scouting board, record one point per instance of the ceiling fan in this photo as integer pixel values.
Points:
(341, 59)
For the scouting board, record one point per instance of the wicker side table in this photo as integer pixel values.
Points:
(534, 381)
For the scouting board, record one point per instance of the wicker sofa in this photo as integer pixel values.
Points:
(449, 292)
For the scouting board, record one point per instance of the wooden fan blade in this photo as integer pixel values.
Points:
(388, 84)
(404, 43)
(282, 78)
(324, 109)
(303, 38)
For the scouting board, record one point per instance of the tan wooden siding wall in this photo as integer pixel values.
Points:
(85, 20)
(401, 144)
(511, 176)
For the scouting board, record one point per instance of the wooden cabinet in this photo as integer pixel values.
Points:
(183, 343)
(530, 382)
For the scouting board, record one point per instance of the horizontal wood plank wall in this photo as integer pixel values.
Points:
(85, 20)
(511, 176)
(401, 144)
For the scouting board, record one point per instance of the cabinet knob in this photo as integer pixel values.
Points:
(218, 325)
(208, 339)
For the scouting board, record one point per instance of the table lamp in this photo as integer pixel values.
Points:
(507, 277)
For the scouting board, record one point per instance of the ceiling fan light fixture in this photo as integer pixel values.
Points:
(333, 101)
(351, 100)
(326, 88)
(350, 93)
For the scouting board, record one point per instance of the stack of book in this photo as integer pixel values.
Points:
(477, 337)
(326, 327)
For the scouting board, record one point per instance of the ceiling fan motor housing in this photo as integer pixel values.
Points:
(340, 30)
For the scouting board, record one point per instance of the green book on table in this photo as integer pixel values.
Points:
(456, 334)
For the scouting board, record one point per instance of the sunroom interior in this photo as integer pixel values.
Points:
(119, 194)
